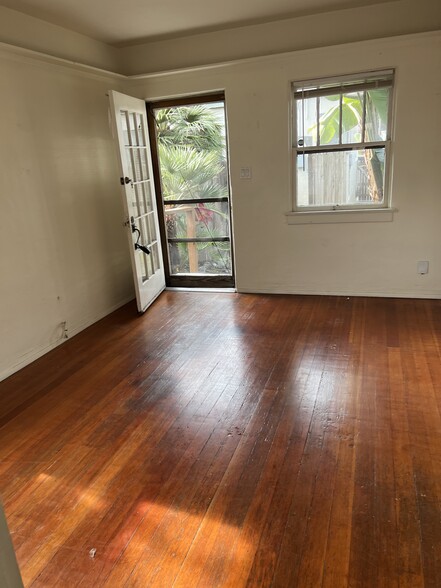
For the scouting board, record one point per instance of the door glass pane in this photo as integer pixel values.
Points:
(151, 260)
(124, 125)
(150, 228)
(140, 204)
(141, 131)
(144, 256)
(144, 174)
(137, 176)
(344, 177)
(129, 160)
(132, 129)
(144, 232)
(143, 265)
(154, 253)
(147, 192)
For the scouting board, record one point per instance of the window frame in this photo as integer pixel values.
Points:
(339, 85)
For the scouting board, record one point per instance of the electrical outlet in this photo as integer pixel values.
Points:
(423, 267)
(64, 331)
(245, 173)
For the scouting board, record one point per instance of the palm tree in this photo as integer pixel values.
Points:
(189, 173)
(195, 126)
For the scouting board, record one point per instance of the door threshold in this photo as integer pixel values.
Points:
(216, 290)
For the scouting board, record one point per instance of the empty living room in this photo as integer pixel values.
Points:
(227, 369)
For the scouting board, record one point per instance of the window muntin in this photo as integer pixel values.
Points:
(342, 132)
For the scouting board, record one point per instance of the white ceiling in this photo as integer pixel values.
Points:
(125, 21)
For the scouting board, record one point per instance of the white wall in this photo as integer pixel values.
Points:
(361, 258)
(316, 30)
(63, 250)
(32, 33)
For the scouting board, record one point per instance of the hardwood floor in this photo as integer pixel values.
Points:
(226, 440)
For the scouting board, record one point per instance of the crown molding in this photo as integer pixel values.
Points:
(31, 56)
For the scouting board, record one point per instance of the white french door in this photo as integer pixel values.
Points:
(138, 190)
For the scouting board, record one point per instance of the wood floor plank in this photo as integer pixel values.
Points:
(231, 441)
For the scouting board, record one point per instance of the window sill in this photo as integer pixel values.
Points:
(310, 217)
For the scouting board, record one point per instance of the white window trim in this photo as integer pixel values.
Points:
(362, 212)
(364, 215)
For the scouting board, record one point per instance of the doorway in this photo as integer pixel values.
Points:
(190, 162)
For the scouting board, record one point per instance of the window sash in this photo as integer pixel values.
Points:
(340, 142)
(361, 205)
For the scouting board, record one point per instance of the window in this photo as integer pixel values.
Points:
(342, 142)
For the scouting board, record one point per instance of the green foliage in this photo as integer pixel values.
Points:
(330, 123)
(188, 173)
(193, 126)
(377, 105)
(191, 147)
(191, 154)
(378, 101)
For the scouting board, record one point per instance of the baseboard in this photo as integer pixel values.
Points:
(350, 293)
(35, 354)
(75, 329)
